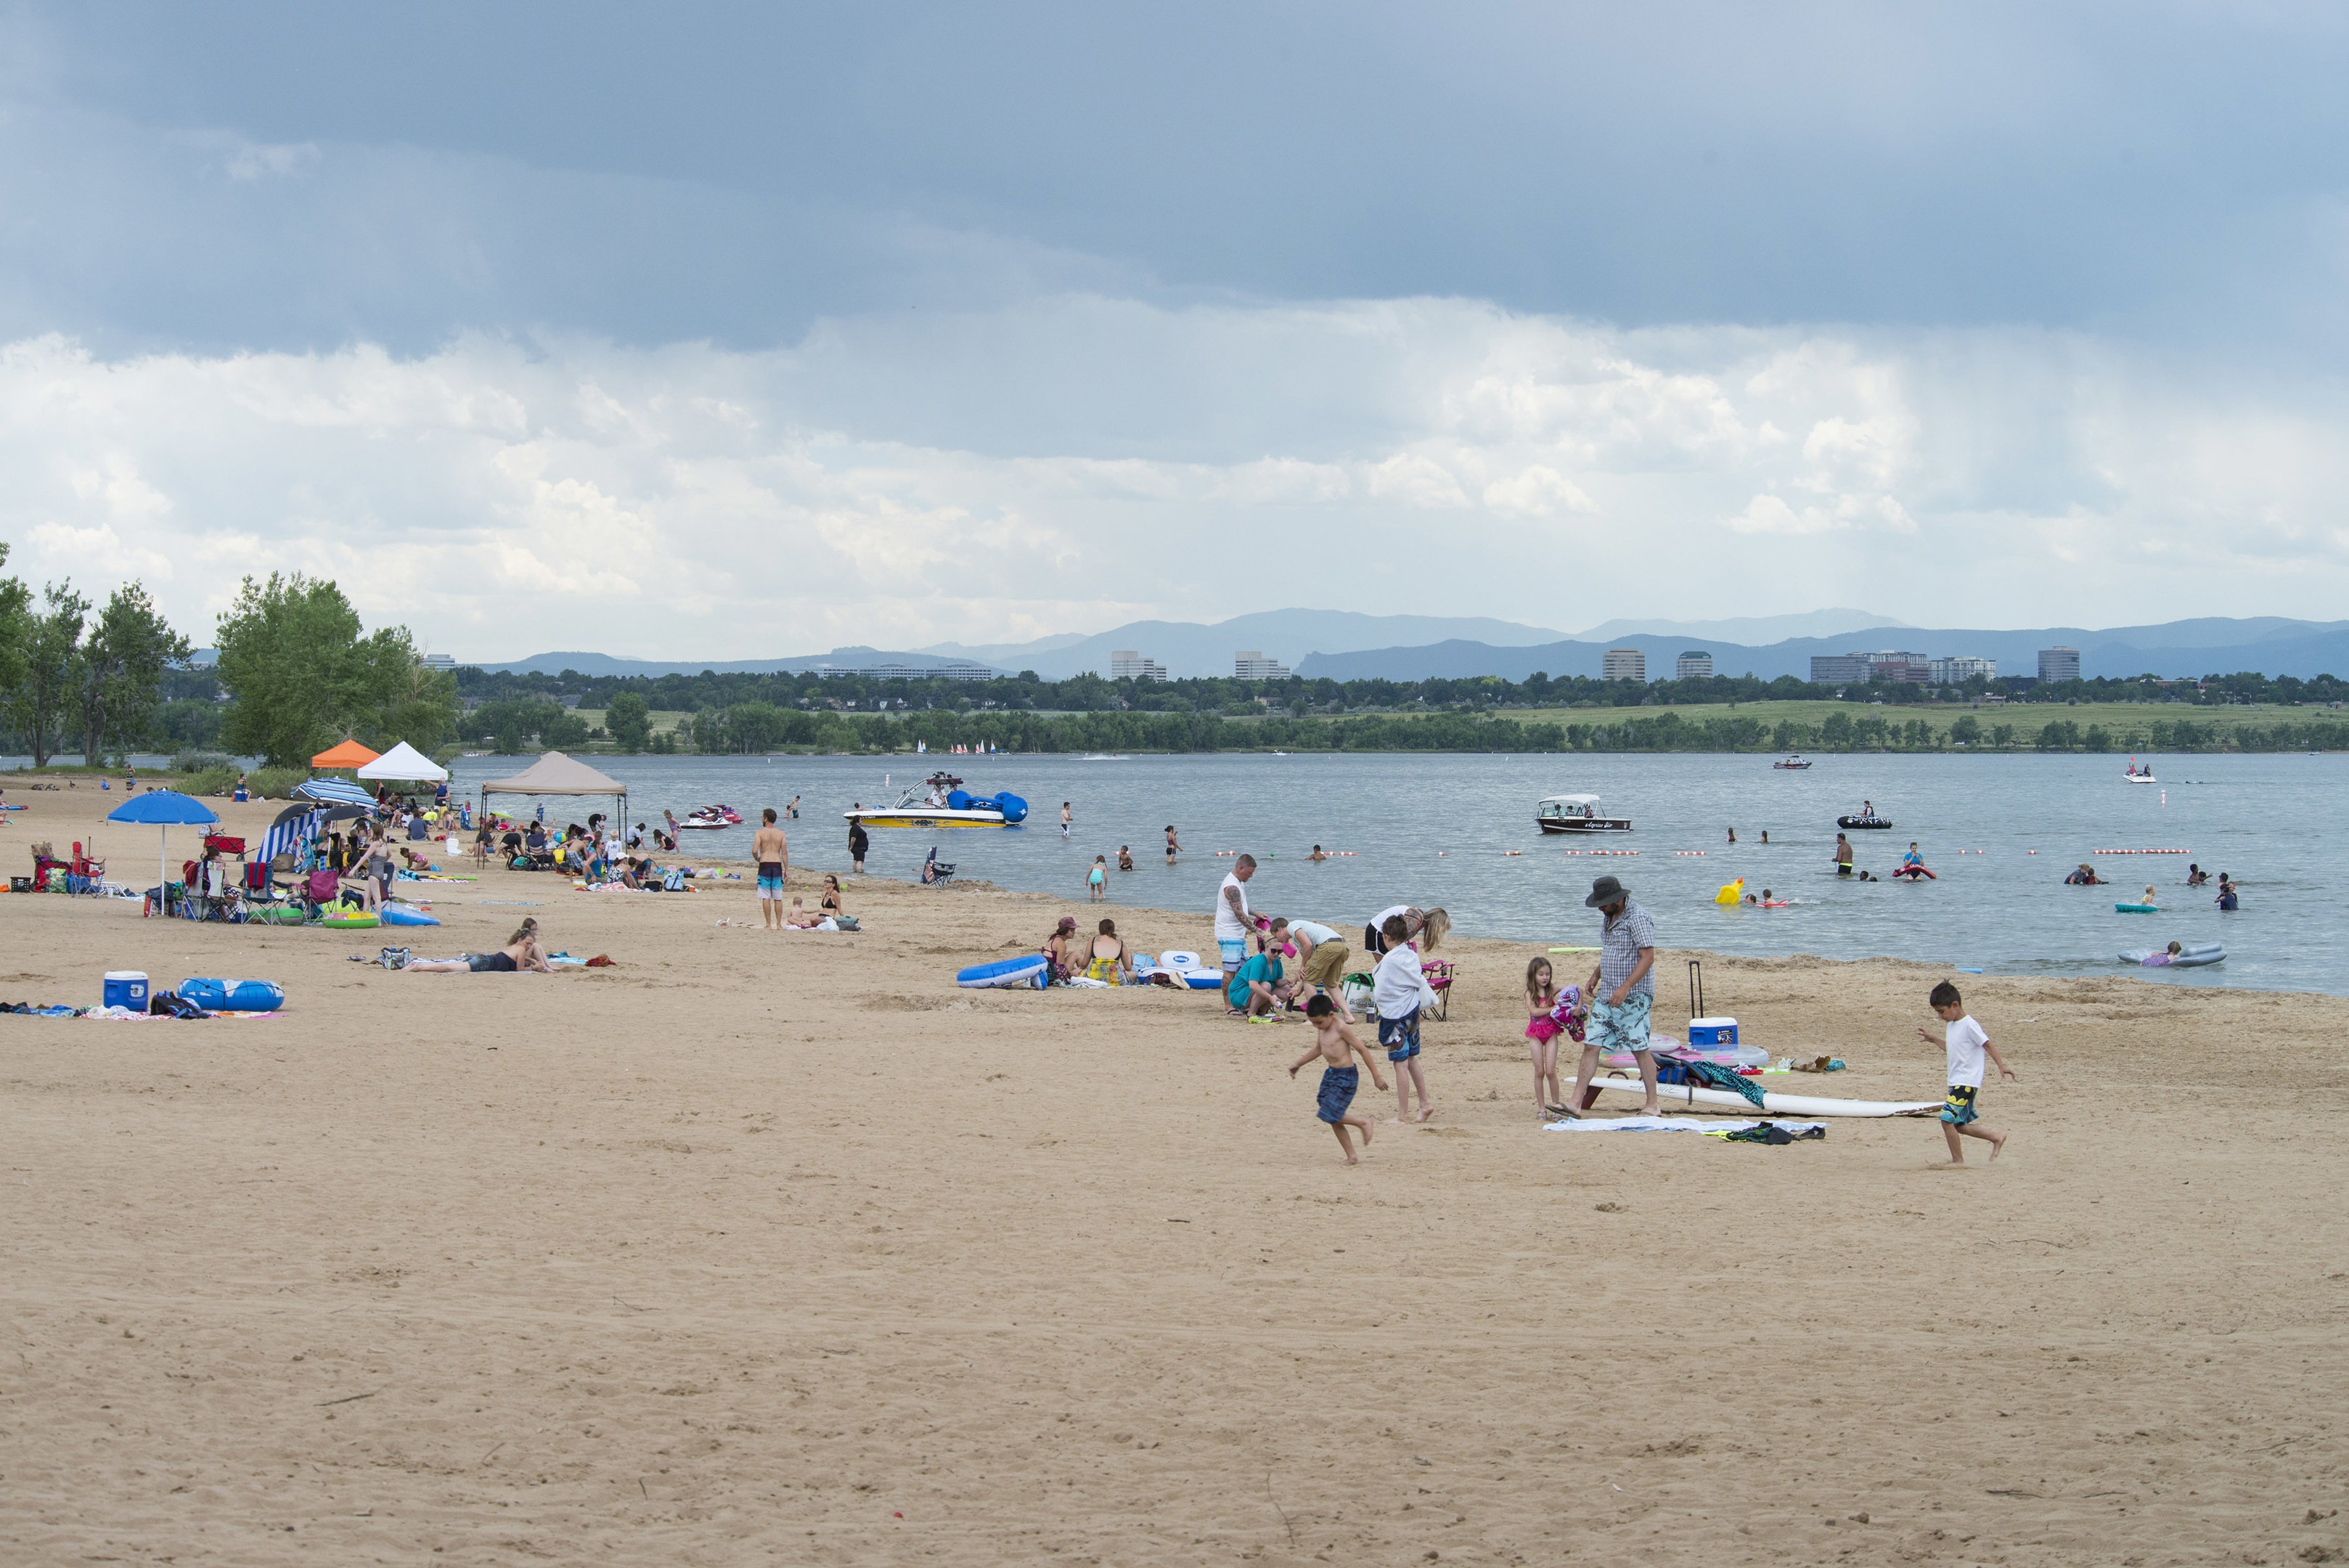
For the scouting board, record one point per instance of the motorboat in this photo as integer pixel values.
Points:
(1577, 814)
(940, 801)
(1791, 762)
(2135, 774)
(710, 816)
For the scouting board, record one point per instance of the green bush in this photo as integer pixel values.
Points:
(275, 783)
(201, 762)
(209, 780)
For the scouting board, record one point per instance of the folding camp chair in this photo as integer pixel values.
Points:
(1441, 973)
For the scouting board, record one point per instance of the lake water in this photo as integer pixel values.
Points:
(1432, 830)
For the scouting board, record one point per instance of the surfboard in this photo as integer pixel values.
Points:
(1689, 1094)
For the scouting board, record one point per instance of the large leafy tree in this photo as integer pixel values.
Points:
(301, 673)
(119, 677)
(15, 625)
(629, 722)
(50, 647)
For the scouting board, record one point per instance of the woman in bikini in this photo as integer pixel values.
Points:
(520, 954)
(830, 904)
(1108, 959)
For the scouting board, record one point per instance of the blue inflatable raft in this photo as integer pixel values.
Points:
(1025, 973)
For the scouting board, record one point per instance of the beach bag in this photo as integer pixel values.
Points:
(393, 958)
(1358, 991)
(673, 880)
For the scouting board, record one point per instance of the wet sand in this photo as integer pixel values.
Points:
(759, 1247)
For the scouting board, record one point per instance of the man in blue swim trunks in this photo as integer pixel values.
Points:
(773, 851)
(1622, 989)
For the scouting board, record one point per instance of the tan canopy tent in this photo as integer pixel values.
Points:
(556, 773)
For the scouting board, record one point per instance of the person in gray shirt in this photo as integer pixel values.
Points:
(1622, 989)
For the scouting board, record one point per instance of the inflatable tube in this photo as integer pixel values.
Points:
(234, 995)
(1026, 971)
(1863, 822)
(1175, 957)
(358, 921)
(1913, 872)
(1203, 979)
(1013, 808)
(1729, 892)
(2195, 956)
(2137, 909)
(401, 915)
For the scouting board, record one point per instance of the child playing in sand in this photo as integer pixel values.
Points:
(1967, 1046)
(1338, 1045)
(1397, 987)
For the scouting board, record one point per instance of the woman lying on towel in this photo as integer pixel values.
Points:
(522, 954)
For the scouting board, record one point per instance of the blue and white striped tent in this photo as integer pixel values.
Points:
(334, 791)
(288, 836)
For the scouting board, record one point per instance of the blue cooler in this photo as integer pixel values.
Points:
(1715, 1038)
(234, 995)
(126, 988)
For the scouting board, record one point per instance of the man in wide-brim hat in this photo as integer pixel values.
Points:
(1622, 989)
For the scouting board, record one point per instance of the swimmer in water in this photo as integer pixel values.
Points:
(1317, 854)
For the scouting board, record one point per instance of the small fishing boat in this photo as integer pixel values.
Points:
(2135, 774)
(1791, 763)
(1577, 814)
(711, 816)
(940, 801)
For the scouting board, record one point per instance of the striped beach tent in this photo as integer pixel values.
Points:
(289, 833)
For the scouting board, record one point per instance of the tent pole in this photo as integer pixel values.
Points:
(163, 880)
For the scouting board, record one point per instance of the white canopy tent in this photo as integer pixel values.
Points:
(405, 764)
(555, 773)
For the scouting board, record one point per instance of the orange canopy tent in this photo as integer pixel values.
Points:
(349, 754)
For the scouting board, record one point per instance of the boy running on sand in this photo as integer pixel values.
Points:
(1337, 1045)
(1395, 989)
(1967, 1046)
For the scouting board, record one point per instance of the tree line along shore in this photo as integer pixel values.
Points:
(295, 671)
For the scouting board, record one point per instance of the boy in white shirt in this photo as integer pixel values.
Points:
(1397, 988)
(1967, 1046)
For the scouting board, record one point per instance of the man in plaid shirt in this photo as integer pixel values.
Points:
(1622, 989)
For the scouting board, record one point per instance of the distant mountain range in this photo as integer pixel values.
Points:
(2174, 651)
(1344, 645)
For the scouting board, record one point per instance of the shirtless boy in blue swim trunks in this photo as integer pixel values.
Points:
(1338, 1045)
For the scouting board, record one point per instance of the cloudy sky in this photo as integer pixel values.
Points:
(582, 326)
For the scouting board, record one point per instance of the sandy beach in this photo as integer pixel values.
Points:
(759, 1247)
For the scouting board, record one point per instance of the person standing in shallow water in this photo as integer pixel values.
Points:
(859, 841)
(1172, 848)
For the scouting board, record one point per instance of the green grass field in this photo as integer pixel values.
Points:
(2026, 718)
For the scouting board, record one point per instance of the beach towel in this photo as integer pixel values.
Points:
(1706, 1075)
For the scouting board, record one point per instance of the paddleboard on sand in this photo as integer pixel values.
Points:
(1685, 1096)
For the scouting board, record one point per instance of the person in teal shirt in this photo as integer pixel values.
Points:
(1253, 986)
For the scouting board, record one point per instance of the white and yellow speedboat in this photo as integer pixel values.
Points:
(940, 801)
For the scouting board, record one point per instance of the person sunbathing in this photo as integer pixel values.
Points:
(831, 903)
(522, 954)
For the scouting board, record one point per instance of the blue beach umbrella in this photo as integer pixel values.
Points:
(166, 809)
